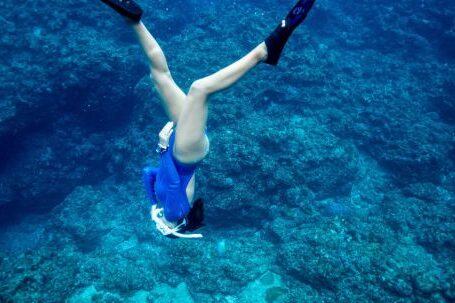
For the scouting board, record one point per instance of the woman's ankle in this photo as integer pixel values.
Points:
(261, 52)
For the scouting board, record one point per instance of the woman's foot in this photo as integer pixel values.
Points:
(278, 38)
(262, 51)
(126, 8)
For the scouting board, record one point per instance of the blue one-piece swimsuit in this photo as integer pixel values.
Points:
(166, 184)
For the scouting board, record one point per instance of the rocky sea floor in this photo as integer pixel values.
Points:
(330, 177)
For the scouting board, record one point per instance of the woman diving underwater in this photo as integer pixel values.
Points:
(183, 142)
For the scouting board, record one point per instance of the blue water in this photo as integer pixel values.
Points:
(330, 178)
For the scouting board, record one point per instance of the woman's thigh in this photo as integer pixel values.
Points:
(172, 97)
(192, 154)
(191, 142)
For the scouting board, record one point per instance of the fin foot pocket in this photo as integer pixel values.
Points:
(126, 8)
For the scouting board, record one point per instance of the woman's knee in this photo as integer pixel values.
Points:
(161, 79)
(199, 87)
(157, 60)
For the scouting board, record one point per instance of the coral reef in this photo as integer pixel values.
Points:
(330, 177)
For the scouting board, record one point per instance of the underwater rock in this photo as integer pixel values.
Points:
(443, 103)
(428, 192)
(268, 288)
(279, 229)
(140, 297)
(399, 286)
(163, 293)
(79, 216)
(85, 295)
(302, 155)
(22, 237)
(447, 42)
(332, 207)
(316, 257)
(228, 271)
(409, 269)
(429, 29)
(325, 164)
(91, 295)
(410, 150)
(406, 215)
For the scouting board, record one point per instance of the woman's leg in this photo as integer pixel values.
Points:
(191, 143)
(171, 95)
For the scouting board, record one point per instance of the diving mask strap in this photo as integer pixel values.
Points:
(164, 229)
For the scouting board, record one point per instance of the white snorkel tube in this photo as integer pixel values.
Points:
(164, 229)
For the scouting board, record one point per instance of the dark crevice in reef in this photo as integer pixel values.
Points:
(46, 156)
(452, 153)
(14, 211)
(10, 147)
(244, 217)
(443, 104)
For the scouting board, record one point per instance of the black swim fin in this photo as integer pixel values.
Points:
(126, 8)
(277, 40)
